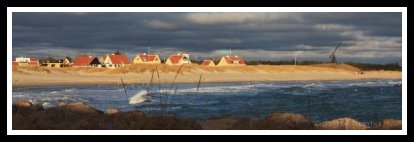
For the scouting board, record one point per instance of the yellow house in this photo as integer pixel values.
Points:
(147, 59)
(209, 63)
(54, 65)
(178, 59)
(231, 61)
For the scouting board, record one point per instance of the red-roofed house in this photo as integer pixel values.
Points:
(147, 59)
(178, 59)
(86, 61)
(23, 61)
(231, 61)
(114, 61)
(208, 63)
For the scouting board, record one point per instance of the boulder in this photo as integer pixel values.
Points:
(23, 104)
(27, 106)
(391, 124)
(111, 111)
(80, 106)
(286, 117)
(223, 123)
(341, 124)
(286, 121)
(61, 104)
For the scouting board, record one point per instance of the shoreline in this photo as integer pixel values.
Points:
(266, 81)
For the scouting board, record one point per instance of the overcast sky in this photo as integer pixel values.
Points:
(365, 37)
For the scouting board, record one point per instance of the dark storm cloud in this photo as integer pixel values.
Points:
(269, 36)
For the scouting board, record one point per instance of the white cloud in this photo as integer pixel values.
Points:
(333, 27)
(227, 41)
(157, 24)
(220, 18)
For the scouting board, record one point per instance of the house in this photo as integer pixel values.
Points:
(231, 61)
(66, 62)
(24, 61)
(54, 65)
(114, 61)
(178, 59)
(86, 61)
(209, 63)
(147, 59)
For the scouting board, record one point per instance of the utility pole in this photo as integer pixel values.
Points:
(295, 60)
(230, 52)
(148, 50)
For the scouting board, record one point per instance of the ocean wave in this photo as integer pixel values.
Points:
(376, 83)
(314, 85)
(139, 97)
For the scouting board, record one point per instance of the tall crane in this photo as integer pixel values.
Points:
(333, 58)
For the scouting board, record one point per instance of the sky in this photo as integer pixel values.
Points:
(365, 37)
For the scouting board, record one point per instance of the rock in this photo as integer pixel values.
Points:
(391, 124)
(110, 111)
(286, 121)
(61, 104)
(287, 117)
(79, 106)
(223, 123)
(341, 124)
(23, 104)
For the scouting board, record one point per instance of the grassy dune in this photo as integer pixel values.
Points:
(40, 76)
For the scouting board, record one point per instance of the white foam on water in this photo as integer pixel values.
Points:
(47, 105)
(376, 83)
(314, 85)
(139, 97)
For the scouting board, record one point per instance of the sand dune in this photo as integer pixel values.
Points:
(39, 76)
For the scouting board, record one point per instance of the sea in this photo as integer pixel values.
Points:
(363, 100)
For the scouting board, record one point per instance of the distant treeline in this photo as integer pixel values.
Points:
(283, 62)
(366, 66)
(362, 66)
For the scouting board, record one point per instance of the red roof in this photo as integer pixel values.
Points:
(206, 62)
(147, 58)
(33, 62)
(175, 58)
(83, 61)
(14, 63)
(119, 59)
(33, 59)
(230, 59)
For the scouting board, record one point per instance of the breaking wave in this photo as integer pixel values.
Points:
(139, 97)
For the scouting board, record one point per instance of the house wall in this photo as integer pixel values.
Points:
(168, 62)
(54, 65)
(138, 60)
(222, 62)
(211, 64)
(108, 62)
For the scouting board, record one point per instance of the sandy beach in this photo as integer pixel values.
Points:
(40, 76)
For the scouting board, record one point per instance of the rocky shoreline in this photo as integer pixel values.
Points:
(81, 116)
